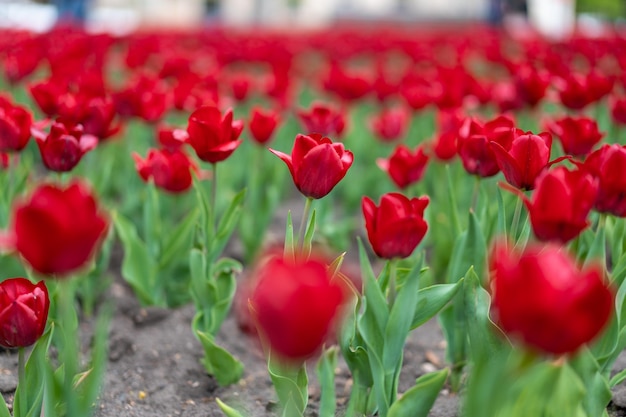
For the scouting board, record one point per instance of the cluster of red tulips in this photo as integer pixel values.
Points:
(451, 131)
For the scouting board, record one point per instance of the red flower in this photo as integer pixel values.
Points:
(171, 138)
(541, 298)
(316, 164)
(403, 166)
(62, 149)
(445, 143)
(396, 227)
(390, 124)
(58, 229)
(145, 96)
(618, 109)
(4, 160)
(46, 95)
(474, 144)
(323, 119)
(97, 116)
(294, 306)
(527, 157)
(15, 123)
(347, 85)
(214, 137)
(530, 84)
(262, 125)
(560, 204)
(23, 312)
(578, 135)
(170, 170)
(608, 165)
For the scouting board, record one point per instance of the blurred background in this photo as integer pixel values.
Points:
(552, 17)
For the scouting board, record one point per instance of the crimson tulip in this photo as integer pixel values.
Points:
(62, 149)
(527, 157)
(214, 137)
(390, 124)
(560, 204)
(474, 144)
(15, 124)
(578, 135)
(618, 109)
(445, 143)
(397, 226)
(316, 164)
(58, 228)
(23, 312)
(171, 138)
(543, 299)
(403, 166)
(295, 306)
(170, 170)
(263, 124)
(323, 119)
(608, 165)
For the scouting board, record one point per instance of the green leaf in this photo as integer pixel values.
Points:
(152, 220)
(35, 378)
(138, 268)
(335, 265)
(307, 243)
(501, 222)
(289, 250)
(218, 361)
(227, 225)
(618, 378)
(419, 399)
(207, 219)
(227, 410)
(4, 410)
(376, 308)
(291, 386)
(598, 394)
(597, 251)
(431, 300)
(178, 240)
(197, 268)
(326, 375)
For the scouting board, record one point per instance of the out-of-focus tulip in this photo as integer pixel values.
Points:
(212, 135)
(170, 170)
(263, 124)
(403, 166)
(171, 138)
(618, 109)
(608, 165)
(63, 148)
(323, 119)
(578, 135)
(15, 124)
(316, 164)
(474, 144)
(390, 124)
(23, 312)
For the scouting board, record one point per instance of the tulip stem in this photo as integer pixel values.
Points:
(214, 198)
(393, 263)
(452, 203)
(475, 193)
(21, 378)
(303, 223)
(516, 216)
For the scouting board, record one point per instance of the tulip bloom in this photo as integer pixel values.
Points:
(608, 165)
(63, 148)
(322, 119)
(294, 306)
(171, 138)
(263, 124)
(23, 312)
(578, 135)
(403, 166)
(390, 124)
(541, 298)
(618, 109)
(58, 229)
(560, 204)
(316, 164)
(528, 156)
(396, 227)
(214, 137)
(474, 144)
(15, 124)
(170, 170)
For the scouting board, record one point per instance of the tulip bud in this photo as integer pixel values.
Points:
(23, 312)
(262, 125)
(403, 166)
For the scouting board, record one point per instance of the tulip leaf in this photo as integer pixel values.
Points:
(597, 251)
(227, 225)
(207, 219)
(501, 220)
(219, 362)
(307, 243)
(469, 249)
(33, 386)
(178, 240)
(197, 268)
(152, 220)
(598, 394)
(375, 303)
(618, 378)
(4, 410)
(228, 410)
(326, 376)
(431, 300)
(291, 385)
(419, 399)
(138, 268)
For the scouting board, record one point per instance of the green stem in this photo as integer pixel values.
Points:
(393, 263)
(453, 206)
(475, 193)
(214, 197)
(21, 381)
(70, 354)
(303, 223)
(516, 216)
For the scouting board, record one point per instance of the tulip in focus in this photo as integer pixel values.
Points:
(23, 312)
(295, 306)
(212, 135)
(541, 298)
(170, 170)
(63, 148)
(58, 229)
(397, 226)
(608, 165)
(404, 166)
(316, 164)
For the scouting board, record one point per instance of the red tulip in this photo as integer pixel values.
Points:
(347, 85)
(403, 166)
(578, 135)
(97, 116)
(527, 157)
(323, 119)
(23, 312)
(445, 145)
(295, 306)
(618, 109)
(263, 124)
(170, 170)
(62, 149)
(608, 165)
(15, 124)
(474, 144)
(46, 95)
(4, 160)
(214, 137)
(560, 204)
(58, 229)
(390, 124)
(530, 84)
(316, 164)
(396, 227)
(171, 138)
(541, 298)
(145, 96)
